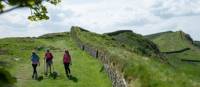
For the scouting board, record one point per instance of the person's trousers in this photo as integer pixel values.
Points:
(48, 67)
(67, 69)
(34, 70)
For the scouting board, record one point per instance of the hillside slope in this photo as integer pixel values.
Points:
(135, 42)
(175, 41)
(197, 43)
(138, 70)
(86, 70)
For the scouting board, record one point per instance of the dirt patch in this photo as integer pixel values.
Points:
(3, 51)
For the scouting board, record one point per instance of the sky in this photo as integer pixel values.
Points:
(101, 16)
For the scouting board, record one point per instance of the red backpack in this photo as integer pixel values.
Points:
(66, 58)
(49, 56)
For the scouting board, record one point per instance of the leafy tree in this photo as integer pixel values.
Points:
(38, 10)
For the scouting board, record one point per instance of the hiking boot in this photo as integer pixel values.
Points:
(32, 76)
(45, 74)
(68, 76)
(36, 77)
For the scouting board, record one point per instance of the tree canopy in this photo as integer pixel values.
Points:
(37, 8)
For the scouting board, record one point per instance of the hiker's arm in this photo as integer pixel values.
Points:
(31, 59)
(38, 60)
(52, 55)
(45, 56)
(38, 63)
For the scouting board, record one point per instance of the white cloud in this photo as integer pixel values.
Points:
(171, 8)
(142, 16)
(188, 24)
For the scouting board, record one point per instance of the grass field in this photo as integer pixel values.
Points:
(139, 70)
(85, 69)
(136, 43)
(171, 41)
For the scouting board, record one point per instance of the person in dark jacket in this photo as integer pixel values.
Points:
(49, 61)
(67, 62)
(35, 62)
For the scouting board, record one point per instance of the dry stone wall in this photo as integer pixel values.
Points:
(115, 76)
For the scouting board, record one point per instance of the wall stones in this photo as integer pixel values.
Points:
(115, 76)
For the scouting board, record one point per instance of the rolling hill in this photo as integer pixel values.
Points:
(85, 69)
(138, 70)
(133, 56)
(173, 43)
(176, 41)
(197, 43)
(135, 42)
(173, 40)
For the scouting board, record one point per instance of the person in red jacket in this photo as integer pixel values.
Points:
(49, 61)
(67, 62)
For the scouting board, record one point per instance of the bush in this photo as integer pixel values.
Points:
(6, 78)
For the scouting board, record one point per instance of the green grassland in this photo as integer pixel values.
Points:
(85, 69)
(197, 43)
(138, 59)
(171, 41)
(135, 42)
(138, 70)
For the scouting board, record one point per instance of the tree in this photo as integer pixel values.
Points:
(38, 10)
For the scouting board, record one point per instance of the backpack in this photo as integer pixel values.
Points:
(49, 56)
(66, 58)
(35, 58)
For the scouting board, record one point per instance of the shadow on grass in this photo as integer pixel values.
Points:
(74, 79)
(177, 51)
(102, 69)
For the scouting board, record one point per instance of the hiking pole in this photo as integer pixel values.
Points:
(44, 66)
(38, 69)
(39, 74)
(54, 74)
(53, 66)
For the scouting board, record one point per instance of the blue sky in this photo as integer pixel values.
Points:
(141, 16)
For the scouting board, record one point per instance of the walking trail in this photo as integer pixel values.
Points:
(85, 69)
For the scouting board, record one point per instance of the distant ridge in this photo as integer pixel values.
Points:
(172, 41)
(151, 36)
(197, 43)
(135, 42)
(118, 32)
(178, 45)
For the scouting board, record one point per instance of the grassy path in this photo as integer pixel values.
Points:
(85, 69)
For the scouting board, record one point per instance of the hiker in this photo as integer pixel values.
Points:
(49, 61)
(67, 62)
(35, 61)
